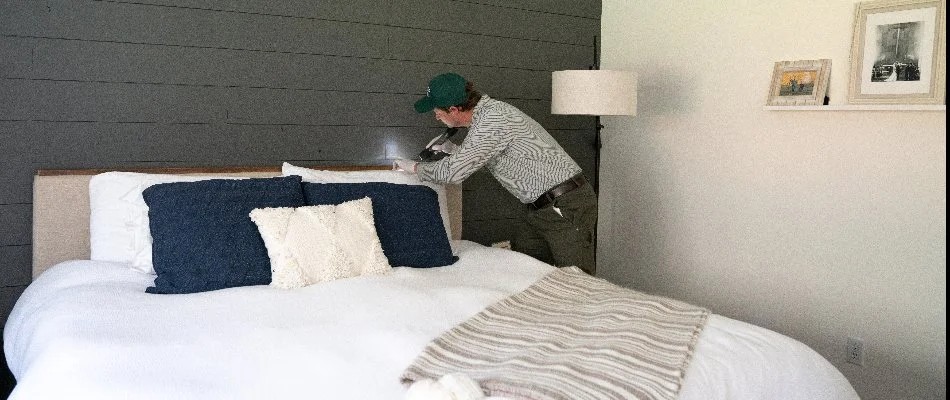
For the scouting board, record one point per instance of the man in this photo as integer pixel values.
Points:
(561, 216)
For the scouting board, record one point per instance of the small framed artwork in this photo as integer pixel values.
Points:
(799, 83)
(897, 52)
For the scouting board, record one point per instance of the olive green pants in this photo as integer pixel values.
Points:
(563, 233)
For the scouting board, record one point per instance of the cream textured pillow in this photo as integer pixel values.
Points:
(314, 244)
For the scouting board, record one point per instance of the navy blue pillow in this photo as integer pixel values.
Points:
(202, 236)
(407, 218)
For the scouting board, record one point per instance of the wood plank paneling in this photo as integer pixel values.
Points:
(189, 66)
(472, 49)
(212, 29)
(16, 222)
(17, 56)
(16, 181)
(106, 62)
(509, 22)
(71, 101)
(110, 102)
(17, 265)
(8, 297)
(363, 11)
(586, 9)
(116, 144)
(490, 204)
(535, 22)
(490, 231)
(175, 26)
(151, 83)
(17, 152)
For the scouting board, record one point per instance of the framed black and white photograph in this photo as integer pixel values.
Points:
(897, 52)
(799, 83)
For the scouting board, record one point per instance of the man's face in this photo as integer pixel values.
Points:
(451, 118)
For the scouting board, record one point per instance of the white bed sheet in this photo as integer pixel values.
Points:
(86, 329)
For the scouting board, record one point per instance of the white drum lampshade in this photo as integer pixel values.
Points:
(594, 92)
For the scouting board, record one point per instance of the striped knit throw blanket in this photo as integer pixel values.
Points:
(570, 336)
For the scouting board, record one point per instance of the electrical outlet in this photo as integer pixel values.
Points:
(855, 351)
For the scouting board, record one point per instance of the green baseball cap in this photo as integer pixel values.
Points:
(445, 90)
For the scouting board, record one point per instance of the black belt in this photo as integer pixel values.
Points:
(548, 197)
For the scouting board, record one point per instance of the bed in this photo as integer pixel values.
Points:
(87, 327)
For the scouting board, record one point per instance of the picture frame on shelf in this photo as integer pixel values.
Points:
(897, 52)
(799, 83)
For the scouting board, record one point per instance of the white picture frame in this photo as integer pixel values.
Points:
(799, 83)
(897, 52)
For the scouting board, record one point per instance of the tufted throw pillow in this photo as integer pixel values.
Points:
(316, 244)
(408, 220)
(202, 237)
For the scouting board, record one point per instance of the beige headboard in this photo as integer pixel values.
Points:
(61, 207)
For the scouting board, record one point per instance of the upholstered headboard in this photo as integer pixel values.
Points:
(61, 207)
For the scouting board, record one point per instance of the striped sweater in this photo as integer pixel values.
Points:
(521, 155)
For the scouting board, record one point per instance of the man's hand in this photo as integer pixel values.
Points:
(402, 164)
(446, 147)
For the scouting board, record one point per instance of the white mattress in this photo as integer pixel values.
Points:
(86, 329)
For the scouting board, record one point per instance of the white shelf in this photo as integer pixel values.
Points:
(861, 107)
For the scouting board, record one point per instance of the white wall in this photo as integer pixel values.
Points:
(817, 224)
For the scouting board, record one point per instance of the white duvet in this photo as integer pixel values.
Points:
(87, 329)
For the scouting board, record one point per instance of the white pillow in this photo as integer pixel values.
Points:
(118, 216)
(314, 244)
(322, 176)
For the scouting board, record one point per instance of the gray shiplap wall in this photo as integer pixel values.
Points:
(109, 84)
